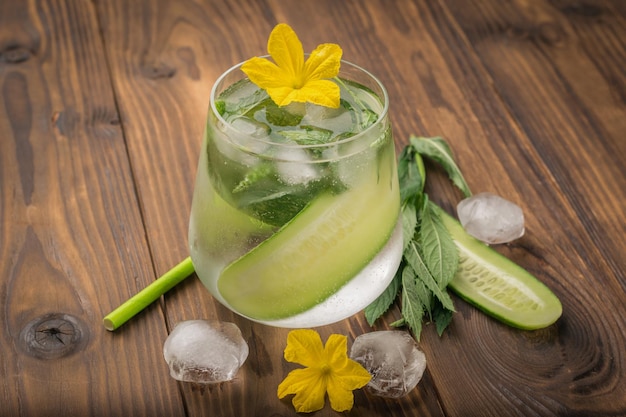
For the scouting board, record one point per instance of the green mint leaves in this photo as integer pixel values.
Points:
(438, 150)
(430, 258)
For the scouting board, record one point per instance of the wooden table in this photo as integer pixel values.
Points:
(102, 107)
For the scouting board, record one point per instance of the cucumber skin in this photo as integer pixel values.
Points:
(547, 315)
(257, 306)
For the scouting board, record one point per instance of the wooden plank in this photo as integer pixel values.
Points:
(559, 68)
(71, 241)
(164, 59)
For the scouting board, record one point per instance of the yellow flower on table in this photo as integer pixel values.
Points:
(290, 78)
(328, 370)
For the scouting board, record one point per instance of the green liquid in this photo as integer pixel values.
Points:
(264, 165)
(275, 185)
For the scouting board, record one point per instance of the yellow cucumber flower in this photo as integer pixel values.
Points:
(328, 370)
(289, 78)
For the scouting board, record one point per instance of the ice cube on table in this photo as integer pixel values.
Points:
(392, 358)
(491, 218)
(205, 352)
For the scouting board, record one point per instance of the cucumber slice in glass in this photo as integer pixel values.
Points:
(313, 255)
(498, 286)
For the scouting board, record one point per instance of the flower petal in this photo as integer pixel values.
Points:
(286, 50)
(340, 399)
(289, 78)
(324, 62)
(264, 73)
(282, 96)
(297, 380)
(346, 373)
(352, 376)
(330, 370)
(304, 346)
(322, 92)
(336, 349)
(309, 387)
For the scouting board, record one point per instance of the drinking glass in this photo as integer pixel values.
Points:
(295, 213)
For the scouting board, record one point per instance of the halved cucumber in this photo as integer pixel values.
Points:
(314, 254)
(498, 286)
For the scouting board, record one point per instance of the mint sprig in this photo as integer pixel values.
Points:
(430, 258)
(438, 150)
(437, 245)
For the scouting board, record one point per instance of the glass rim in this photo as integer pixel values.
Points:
(381, 116)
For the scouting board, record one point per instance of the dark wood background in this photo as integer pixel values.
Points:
(102, 106)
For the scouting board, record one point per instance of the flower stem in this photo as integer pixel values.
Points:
(145, 297)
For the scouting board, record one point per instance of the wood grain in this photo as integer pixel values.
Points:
(72, 240)
(549, 53)
(102, 108)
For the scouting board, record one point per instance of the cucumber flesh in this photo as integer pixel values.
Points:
(313, 255)
(499, 287)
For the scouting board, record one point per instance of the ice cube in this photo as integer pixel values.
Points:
(491, 218)
(294, 166)
(205, 352)
(250, 134)
(337, 120)
(251, 127)
(392, 358)
(242, 139)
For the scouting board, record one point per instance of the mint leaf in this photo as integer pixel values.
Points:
(409, 176)
(409, 222)
(220, 106)
(398, 323)
(440, 253)
(441, 316)
(245, 104)
(412, 309)
(280, 116)
(364, 116)
(381, 304)
(424, 295)
(253, 176)
(437, 149)
(430, 256)
(415, 260)
(367, 118)
(308, 135)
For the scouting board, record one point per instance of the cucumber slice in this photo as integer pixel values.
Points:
(314, 254)
(498, 286)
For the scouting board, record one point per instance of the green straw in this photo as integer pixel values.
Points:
(148, 295)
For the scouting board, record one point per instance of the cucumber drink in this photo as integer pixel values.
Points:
(294, 220)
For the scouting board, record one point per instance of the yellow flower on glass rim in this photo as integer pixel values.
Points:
(328, 370)
(289, 78)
